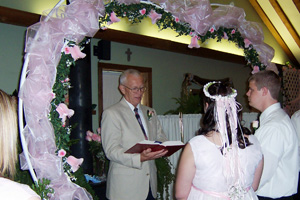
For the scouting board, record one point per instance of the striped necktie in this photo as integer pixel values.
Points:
(140, 122)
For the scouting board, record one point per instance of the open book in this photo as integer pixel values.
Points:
(171, 146)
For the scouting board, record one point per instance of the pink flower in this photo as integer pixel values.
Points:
(212, 29)
(64, 112)
(247, 43)
(99, 130)
(154, 16)
(233, 31)
(67, 50)
(96, 137)
(225, 36)
(89, 135)
(74, 163)
(61, 153)
(75, 52)
(176, 19)
(143, 11)
(194, 43)
(255, 69)
(113, 18)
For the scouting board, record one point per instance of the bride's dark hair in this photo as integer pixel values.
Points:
(208, 122)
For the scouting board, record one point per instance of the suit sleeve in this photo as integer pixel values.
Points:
(111, 132)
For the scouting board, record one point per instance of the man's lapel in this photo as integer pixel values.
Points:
(148, 122)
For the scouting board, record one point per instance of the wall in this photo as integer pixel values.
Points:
(11, 56)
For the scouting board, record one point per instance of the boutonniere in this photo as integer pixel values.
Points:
(150, 114)
(255, 125)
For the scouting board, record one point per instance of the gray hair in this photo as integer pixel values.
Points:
(124, 75)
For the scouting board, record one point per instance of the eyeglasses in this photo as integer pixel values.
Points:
(136, 90)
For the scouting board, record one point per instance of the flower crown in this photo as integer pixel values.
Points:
(218, 97)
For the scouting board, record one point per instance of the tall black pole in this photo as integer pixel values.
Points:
(80, 95)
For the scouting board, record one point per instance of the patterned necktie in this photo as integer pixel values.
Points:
(140, 122)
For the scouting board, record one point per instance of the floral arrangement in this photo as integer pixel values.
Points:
(97, 151)
(59, 109)
(150, 114)
(255, 124)
(137, 12)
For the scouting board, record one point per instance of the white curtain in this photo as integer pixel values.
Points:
(191, 124)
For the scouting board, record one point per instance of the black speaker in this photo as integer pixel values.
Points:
(102, 51)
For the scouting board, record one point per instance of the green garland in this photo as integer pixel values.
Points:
(164, 177)
(62, 131)
(167, 21)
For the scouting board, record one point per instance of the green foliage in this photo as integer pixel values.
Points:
(164, 176)
(62, 131)
(42, 189)
(168, 21)
(190, 105)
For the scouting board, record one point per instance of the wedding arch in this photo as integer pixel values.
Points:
(55, 43)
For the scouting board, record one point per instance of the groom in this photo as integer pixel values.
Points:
(131, 176)
(277, 137)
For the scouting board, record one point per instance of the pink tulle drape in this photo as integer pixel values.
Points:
(44, 42)
(201, 16)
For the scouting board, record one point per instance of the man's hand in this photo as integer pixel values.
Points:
(149, 155)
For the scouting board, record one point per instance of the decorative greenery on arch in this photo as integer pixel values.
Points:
(135, 13)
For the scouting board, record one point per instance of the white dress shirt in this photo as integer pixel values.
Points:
(279, 144)
(296, 122)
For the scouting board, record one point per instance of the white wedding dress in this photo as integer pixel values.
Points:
(209, 182)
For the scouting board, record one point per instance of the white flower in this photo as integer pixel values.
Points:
(255, 124)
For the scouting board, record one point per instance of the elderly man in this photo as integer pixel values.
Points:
(131, 176)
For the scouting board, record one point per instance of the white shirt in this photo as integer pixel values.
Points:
(296, 122)
(279, 144)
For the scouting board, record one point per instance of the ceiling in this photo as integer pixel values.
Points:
(282, 19)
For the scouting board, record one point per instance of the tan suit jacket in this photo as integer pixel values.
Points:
(128, 178)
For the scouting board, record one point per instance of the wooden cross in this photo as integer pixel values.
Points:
(128, 52)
